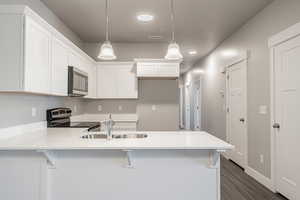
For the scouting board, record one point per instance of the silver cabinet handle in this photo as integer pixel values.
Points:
(276, 125)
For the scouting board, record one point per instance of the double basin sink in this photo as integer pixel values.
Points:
(114, 136)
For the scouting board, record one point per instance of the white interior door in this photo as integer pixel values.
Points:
(197, 106)
(287, 108)
(237, 111)
(187, 103)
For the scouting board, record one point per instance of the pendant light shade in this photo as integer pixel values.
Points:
(173, 52)
(106, 50)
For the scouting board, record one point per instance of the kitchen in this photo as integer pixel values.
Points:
(131, 103)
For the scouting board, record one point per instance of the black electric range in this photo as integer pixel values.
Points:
(61, 118)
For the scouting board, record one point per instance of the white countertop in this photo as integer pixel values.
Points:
(69, 138)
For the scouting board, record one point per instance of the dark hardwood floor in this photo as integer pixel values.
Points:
(237, 185)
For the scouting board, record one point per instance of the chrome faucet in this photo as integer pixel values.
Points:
(109, 123)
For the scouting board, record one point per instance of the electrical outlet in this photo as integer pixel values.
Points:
(33, 112)
(99, 108)
(261, 158)
(120, 108)
(153, 107)
(75, 108)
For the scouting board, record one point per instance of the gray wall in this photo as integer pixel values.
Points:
(41, 9)
(253, 36)
(164, 94)
(15, 109)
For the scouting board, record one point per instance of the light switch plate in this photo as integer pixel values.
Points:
(99, 108)
(75, 108)
(120, 108)
(261, 158)
(153, 107)
(263, 110)
(33, 112)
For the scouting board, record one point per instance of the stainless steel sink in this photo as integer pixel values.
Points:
(115, 136)
(133, 136)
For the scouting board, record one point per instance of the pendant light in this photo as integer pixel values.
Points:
(173, 52)
(106, 50)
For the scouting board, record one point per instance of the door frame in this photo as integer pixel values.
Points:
(243, 56)
(274, 41)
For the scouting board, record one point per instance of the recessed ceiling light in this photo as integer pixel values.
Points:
(193, 52)
(145, 17)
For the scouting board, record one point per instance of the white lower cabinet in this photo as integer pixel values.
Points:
(109, 175)
(21, 175)
(117, 81)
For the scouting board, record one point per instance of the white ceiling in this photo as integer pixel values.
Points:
(200, 24)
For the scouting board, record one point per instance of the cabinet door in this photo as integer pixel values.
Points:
(37, 58)
(158, 69)
(146, 69)
(106, 82)
(127, 83)
(74, 60)
(92, 73)
(59, 68)
(93, 81)
(168, 70)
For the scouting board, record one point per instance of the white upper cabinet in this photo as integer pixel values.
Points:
(34, 56)
(37, 58)
(59, 68)
(117, 81)
(152, 68)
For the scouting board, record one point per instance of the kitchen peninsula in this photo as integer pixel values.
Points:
(58, 164)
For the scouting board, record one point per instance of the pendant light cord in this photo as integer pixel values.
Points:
(107, 19)
(172, 19)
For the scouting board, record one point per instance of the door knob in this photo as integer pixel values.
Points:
(242, 120)
(276, 125)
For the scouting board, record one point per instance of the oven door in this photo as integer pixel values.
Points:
(78, 82)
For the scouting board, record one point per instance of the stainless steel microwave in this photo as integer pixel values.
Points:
(77, 82)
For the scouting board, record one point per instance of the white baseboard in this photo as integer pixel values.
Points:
(267, 182)
(9, 132)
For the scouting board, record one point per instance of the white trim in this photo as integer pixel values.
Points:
(142, 60)
(285, 35)
(115, 63)
(272, 117)
(267, 182)
(6, 133)
(243, 56)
